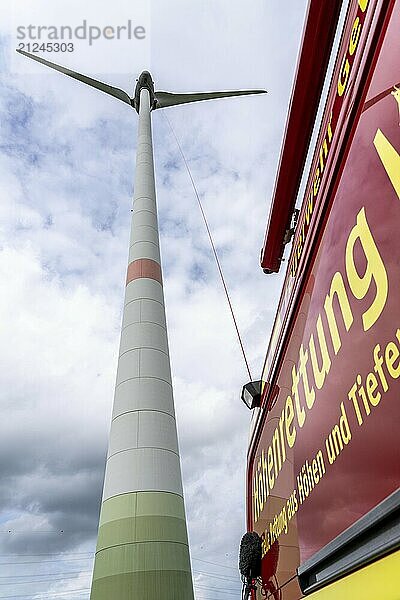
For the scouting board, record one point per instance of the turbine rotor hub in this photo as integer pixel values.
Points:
(145, 81)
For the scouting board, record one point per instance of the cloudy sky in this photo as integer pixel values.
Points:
(66, 167)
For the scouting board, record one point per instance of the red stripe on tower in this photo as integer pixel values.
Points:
(143, 267)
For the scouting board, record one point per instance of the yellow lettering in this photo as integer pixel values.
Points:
(390, 159)
(289, 416)
(352, 396)
(337, 287)
(391, 355)
(300, 412)
(375, 269)
(371, 384)
(281, 423)
(320, 373)
(329, 129)
(323, 153)
(317, 181)
(343, 76)
(309, 393)
(354, 36)
(270, 463)
(276, 452)
(309, 207)
(363, 4)
(256, 508)
(264, 474)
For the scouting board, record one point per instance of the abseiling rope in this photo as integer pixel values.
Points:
(212, 246)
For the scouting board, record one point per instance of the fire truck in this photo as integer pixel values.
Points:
(323, 467)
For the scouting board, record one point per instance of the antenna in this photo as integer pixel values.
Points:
(142, 547)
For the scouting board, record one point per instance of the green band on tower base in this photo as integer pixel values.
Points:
(155, 585)
(142, 549)
(142, 529)
(140, 504)
(144, 556)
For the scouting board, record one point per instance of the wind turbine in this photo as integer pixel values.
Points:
(142, 550)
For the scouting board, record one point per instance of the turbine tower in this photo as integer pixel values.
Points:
(142, 549)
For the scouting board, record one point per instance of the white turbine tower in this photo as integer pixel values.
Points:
(142, 549)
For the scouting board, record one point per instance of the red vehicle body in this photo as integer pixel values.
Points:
(324, 453)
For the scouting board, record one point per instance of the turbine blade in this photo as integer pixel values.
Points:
(165, 99)
(108, 89)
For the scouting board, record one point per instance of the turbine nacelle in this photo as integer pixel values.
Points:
(145, 81)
